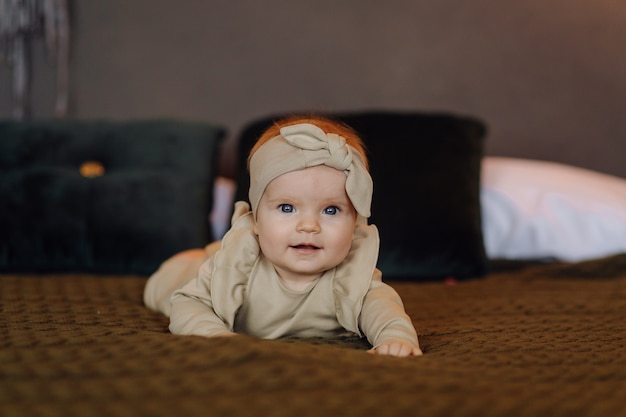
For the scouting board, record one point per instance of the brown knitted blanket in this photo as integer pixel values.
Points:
(542, 341)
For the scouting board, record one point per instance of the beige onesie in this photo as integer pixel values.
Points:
(238, 290)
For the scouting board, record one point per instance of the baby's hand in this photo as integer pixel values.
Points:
(400, 349)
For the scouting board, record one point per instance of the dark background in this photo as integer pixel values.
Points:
(548, 76)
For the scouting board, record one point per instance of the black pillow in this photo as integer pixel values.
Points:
(144, 193)
(426, 203)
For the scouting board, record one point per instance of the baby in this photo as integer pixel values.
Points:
(301, 261)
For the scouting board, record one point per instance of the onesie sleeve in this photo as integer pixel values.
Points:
(208, 304)
(192, 307)
(383, 319)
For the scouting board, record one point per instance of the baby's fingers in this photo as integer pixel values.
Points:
(397, 349)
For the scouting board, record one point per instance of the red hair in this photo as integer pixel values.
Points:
(326, 124)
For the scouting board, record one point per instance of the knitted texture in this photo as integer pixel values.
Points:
(545, 340)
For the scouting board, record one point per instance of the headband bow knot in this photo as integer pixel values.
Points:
(315, 139)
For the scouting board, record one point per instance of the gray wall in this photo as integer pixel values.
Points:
(548, 76)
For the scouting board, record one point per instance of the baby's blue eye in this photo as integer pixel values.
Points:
(286, 208)
(332, 210)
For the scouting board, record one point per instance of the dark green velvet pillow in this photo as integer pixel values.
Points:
(426, 205)
(101, 196)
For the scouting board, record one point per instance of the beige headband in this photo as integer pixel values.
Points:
(306, 145)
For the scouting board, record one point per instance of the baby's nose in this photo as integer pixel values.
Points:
(308, 224)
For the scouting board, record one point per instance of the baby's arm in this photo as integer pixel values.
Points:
(385, 323)
(192, 308)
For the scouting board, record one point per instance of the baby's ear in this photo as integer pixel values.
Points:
(254, 229)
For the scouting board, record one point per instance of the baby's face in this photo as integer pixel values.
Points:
(305, 222)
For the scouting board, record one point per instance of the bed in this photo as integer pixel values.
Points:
(512, 320)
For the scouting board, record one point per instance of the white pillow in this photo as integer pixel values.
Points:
(223, 195)
(534, 210)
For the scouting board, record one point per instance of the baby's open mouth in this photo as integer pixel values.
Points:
(305, 246)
